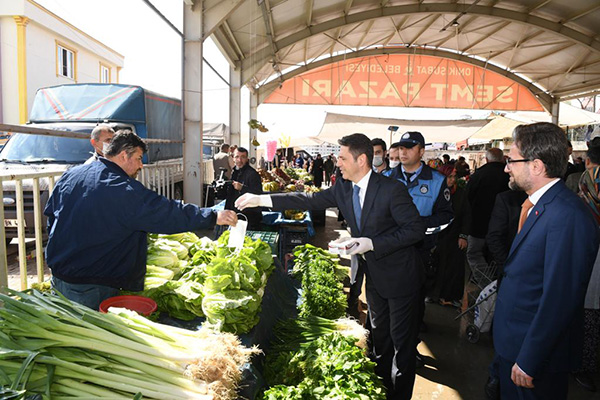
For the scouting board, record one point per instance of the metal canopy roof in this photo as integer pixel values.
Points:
(551, 46)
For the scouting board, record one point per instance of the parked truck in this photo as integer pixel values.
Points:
(79, 108)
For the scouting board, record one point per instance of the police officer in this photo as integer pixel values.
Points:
(431, 195)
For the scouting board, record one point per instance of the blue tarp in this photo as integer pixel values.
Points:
(153, 116)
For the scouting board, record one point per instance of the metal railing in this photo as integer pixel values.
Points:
(20, 224)
(160, 177)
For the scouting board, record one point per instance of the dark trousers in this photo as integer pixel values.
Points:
(394, 328)
(427, 259)
(549, 386)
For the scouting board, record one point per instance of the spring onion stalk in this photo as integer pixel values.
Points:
(53, 347)
(95, 336)
(112, 380)
(75, 388)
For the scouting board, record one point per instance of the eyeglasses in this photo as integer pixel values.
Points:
(510, 161)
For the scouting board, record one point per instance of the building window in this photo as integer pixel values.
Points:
(66, 62)
(104, 74)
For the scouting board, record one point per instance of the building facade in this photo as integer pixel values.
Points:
(38, 49)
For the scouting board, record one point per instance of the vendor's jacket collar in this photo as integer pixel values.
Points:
(114, 166)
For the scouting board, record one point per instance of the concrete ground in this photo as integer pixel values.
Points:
(455, 368)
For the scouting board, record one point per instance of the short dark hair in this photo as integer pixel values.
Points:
(242, 150)
(546, 142)
(494, 154)
(125, 140)
(395, 145)
(446, 156)
(224, 147)
(358, 143)
(593, 153)
(379, 142)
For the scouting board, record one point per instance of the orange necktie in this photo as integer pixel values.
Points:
(525, 207)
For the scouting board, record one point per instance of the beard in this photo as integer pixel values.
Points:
(512, 185)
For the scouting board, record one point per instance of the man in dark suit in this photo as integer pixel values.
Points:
(482, 188)
(385, 226)
(538, 321)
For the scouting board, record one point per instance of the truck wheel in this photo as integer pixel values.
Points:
(178, 193)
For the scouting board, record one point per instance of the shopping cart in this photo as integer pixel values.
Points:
(480, 300)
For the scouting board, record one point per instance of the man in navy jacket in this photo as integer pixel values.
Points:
(99, 217)
(538, 322)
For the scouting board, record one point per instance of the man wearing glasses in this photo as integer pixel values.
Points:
(538, 321)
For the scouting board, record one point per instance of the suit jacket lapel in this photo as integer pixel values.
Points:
(534, 215)
(372, 189)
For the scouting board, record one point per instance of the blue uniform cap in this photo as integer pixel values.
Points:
(411, 139)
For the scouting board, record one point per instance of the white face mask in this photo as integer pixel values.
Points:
(377, 161)
(105, 148)
(394, 164)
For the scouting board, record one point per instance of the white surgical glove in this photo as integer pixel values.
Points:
(359, 245)
(250, 200)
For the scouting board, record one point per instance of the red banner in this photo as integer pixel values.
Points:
(406, 81)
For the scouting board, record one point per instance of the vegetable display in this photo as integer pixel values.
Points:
(329, 367)
(290, 180)
(59, 349)
(210, 279)
(321, 277)
(234, 285)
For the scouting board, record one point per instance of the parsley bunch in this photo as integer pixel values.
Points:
(322, 290)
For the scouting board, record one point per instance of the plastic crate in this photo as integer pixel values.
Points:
(271, 238)
(291, 236)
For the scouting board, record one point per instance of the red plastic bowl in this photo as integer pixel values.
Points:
(140, 304)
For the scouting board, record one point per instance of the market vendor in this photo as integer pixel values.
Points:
(385, 227)
(245, 180)
(99, 217)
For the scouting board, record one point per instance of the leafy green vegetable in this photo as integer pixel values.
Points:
(176, 247)
(161, 255)
(322, 290)
(152, 271)
(234, 284)
(234, 311)
(330, 367)
(190, 277)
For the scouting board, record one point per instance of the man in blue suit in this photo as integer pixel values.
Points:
(538, 322)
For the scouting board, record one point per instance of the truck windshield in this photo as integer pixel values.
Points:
(37, 148)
